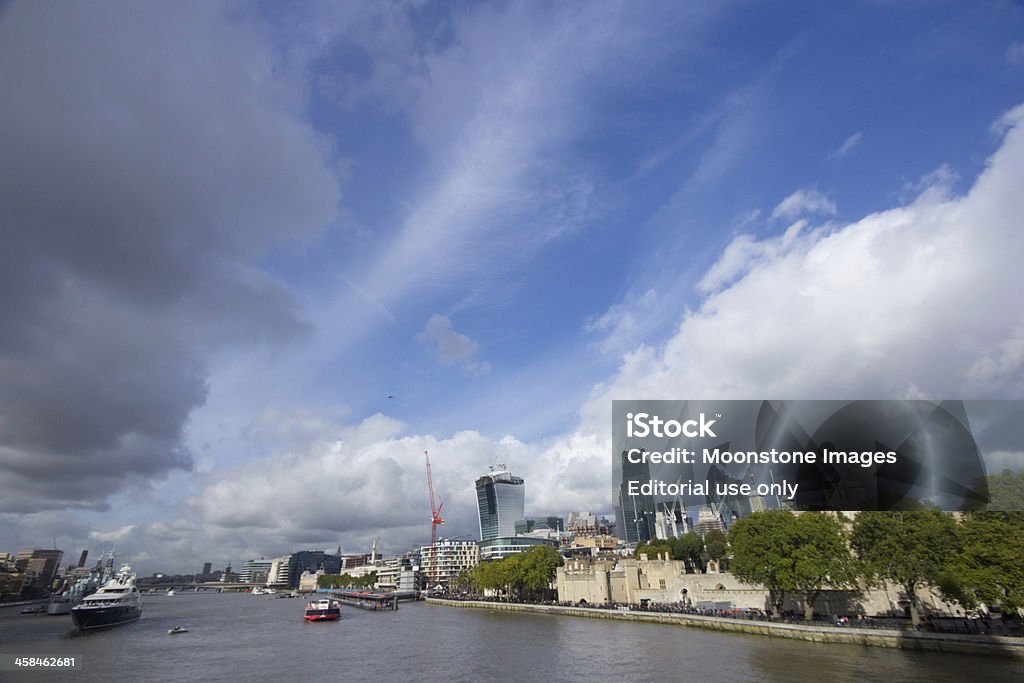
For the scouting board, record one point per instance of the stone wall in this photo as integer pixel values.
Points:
(631, 581)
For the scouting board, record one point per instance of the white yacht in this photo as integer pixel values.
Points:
(117, 602)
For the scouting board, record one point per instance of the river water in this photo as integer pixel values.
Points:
(241, 637)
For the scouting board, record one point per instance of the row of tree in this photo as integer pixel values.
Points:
(523, 576)
(346, 580)
(976, 560)
(689, 548)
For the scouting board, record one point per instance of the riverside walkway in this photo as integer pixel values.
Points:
(1004, 646)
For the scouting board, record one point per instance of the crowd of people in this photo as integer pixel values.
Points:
(981, 625)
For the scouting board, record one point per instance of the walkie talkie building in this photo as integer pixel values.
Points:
(500, 499)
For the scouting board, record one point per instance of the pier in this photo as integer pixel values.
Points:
(367, 600)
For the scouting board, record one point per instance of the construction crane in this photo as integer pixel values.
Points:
(435, 521)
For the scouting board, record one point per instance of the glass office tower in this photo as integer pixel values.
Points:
(500, 501)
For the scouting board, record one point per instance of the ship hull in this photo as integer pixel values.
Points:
(59, 607)
(322, 617)
(102, 617)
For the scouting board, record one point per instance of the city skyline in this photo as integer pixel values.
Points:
(260, 256)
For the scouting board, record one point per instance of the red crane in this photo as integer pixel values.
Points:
(435, 521)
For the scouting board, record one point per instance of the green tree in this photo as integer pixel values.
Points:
(821, 558)
(716, 546)
(989, 567)
(689, 548)
(910, 548)
(654, 548)
(537, 568)
(464, 581)
(762, 552)
(1006, 492)
(789, 554)
(346, 580)
(530, 571)
(486, 576)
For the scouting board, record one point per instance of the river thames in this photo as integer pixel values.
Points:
(242, 637)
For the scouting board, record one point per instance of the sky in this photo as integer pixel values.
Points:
(258, 257)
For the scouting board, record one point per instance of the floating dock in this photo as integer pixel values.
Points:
(367, 600)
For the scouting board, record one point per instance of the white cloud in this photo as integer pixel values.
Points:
(451, 347)
(374, 479)
(1015, 53)
(912, 301)
(848, 145)
(743, 252)
(113, 536)
(997, 462)
(804, 202)
(623, 323)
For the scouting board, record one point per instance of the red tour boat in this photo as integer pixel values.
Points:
(323, 610)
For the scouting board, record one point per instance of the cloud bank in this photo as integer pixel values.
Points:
(135, 204)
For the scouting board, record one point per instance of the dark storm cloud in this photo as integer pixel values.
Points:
(148, 156)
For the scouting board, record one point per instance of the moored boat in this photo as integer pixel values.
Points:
(117, 602)
(83, 587)
(323, 610)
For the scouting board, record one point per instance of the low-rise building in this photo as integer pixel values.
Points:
(502, 547)
(309, 581)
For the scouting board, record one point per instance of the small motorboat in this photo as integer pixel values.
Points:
(176, 630)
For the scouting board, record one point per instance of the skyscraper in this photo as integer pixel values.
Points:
(41, 562)
(500, 500)
(636, 512)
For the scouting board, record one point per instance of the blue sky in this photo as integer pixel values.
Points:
(266, 254)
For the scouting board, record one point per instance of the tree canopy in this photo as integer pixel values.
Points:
(346, 580)
(789, 554)
(530, 571)
(989, 567)
(689, 548)
(1006, 492)
(762, 550)
(909, 548)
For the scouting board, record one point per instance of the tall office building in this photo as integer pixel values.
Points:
(636, 513)
(311, 561)
(255, 571)
(42, 563)
(730, 508)
(500, 500)
(670, 520)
